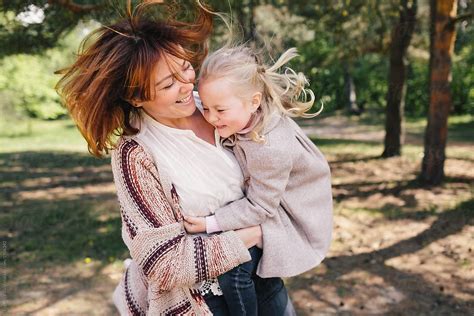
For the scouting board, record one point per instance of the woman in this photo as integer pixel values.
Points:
(135, 80)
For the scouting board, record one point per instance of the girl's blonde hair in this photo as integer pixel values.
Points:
(282, 91)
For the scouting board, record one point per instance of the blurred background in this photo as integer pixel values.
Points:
(396, 78)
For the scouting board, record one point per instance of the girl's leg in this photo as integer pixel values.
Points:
(238, 287)
(217, 304)
(273, 299)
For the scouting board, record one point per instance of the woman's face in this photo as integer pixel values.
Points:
(173, 98)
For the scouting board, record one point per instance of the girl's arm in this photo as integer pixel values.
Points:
(153, 230)
(269, 166)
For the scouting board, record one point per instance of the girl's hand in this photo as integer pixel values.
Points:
(251, 236)
(194, 224)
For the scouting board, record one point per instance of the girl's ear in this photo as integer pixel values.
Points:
(256, 100)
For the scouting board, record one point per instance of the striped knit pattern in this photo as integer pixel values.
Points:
(160, 251)
(131, 180)
(182, 309)
(171, 261)
(200, 254)
(132, 303)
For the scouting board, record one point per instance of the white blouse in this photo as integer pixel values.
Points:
(206, 177)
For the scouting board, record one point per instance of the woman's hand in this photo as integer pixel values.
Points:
(194, 225)
(251, 236)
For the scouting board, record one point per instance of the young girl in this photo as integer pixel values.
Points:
(287, 179)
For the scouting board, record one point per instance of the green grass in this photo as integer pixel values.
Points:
(46, 216)
(36, 135)
(354, 149)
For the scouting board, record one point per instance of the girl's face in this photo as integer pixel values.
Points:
(173, 98)
(226, 111)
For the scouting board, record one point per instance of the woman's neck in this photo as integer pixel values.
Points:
(187, 122)
(195, 123)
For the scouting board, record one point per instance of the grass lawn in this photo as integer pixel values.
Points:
(398, 248)
(35, 135)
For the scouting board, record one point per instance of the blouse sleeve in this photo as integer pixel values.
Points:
(153, 230)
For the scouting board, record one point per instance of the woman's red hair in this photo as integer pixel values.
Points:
(115, 66)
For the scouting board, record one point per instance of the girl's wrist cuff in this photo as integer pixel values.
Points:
(211, 225)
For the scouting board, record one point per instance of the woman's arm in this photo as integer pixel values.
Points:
(153, 230)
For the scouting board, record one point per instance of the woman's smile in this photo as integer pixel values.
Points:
(185, 100)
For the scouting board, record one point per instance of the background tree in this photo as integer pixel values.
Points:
(32, 28)
(442, 38)
(344, 46)
(401, 37)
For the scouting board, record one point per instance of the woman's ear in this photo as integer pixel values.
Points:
(256, 101)
(135, 103)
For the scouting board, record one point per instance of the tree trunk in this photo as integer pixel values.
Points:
(251, 32)
(443, 35)
(350, 91)
(401, 37)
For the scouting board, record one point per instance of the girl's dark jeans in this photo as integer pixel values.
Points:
(247, 294)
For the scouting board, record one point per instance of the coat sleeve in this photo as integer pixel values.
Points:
(269, 166)
(153, 230)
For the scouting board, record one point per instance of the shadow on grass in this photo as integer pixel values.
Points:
(50, 169)
(342, 142)
(459, 131)
(43, 231)
(62, 231)
(421, 296)
(53, 230)
(365, 189)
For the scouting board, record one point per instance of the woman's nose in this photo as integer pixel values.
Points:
(189, 75)
(189, 81)
(187, 86)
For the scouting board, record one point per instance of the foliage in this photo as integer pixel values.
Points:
(27, 81)
(329, 35)
(32, 28)
(30, 85)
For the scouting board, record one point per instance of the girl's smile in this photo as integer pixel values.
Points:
(226, 111)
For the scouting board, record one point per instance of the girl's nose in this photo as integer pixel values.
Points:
(212, 118)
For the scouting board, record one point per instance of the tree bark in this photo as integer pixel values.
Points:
(76, 7)
(443, 35)
(401, 37)
(350, 91)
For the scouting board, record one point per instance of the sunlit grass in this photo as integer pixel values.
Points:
(36, 135)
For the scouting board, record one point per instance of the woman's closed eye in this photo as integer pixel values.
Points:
(170, 85)
(187, 67)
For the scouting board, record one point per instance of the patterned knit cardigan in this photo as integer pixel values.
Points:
(167, 262)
